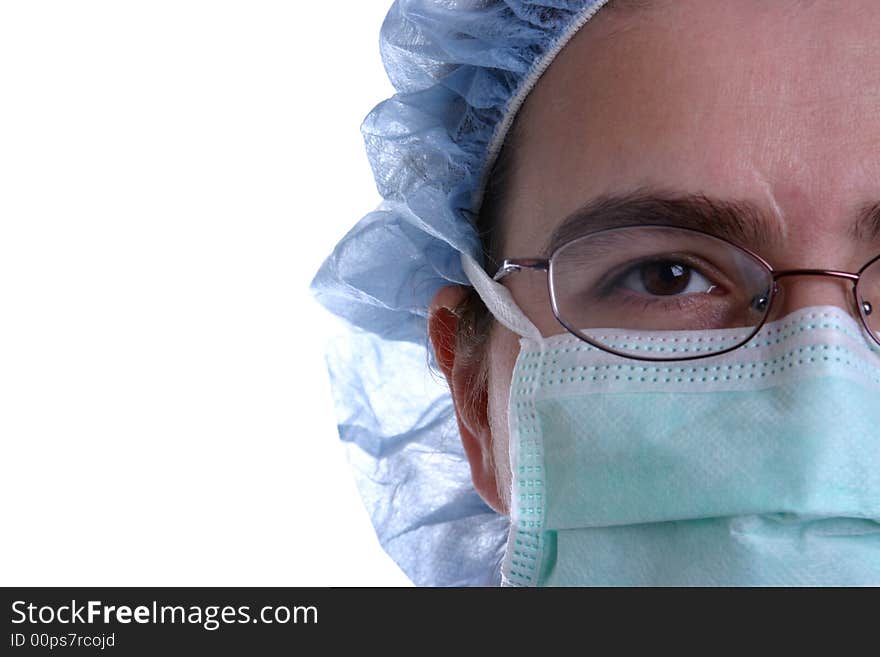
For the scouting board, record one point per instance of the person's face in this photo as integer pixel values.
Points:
(769, 102)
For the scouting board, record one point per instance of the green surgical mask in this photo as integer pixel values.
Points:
(756, 467)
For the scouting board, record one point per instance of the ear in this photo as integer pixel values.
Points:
(469, 394)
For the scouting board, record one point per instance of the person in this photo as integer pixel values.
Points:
(643, 239)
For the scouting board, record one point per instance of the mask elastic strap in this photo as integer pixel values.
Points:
(498, 300)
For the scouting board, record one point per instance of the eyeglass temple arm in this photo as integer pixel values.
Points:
(519, 264)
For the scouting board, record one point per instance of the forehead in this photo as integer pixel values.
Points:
(768, 102)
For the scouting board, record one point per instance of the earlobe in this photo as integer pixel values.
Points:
(469, 394)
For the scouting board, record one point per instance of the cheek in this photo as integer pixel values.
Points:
(502, 354)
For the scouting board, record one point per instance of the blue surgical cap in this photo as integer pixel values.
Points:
(461, 69)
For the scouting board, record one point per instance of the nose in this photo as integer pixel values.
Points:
(797, 290)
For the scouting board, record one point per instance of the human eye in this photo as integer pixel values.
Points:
(664, 282)
(662, 277)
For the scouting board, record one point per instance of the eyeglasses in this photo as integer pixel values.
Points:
(648, 279)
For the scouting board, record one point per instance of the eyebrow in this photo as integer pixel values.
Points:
(739, 221)
(866, 227)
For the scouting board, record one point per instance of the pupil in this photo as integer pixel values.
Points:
(665, 277)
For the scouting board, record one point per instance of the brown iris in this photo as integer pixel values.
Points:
(665, 277)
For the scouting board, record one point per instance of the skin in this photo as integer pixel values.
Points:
(774, 102)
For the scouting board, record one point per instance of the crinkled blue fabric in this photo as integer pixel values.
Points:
(402, 441)
(457, 65)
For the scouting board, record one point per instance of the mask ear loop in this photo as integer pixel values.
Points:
(502, 306)
(499, 301)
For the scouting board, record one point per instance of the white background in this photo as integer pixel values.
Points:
(172, 173)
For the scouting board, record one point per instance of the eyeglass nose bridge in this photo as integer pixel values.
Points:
(816, 272)
(834, 273)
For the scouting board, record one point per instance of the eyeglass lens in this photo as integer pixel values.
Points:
(618, 288)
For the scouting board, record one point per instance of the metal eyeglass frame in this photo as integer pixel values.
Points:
(511, 265)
